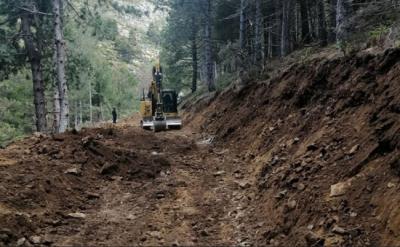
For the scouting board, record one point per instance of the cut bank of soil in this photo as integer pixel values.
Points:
(322, 144)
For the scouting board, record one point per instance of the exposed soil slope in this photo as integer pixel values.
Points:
(322, 144)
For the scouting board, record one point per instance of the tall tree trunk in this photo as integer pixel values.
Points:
(267, 32)
(56, 108)
(242, 27)
(76, 115)
(60, 65)
(258, 34)
(332, 20)
(80, 114)
(208, 49)
(342, 14)
(275, 28)
(285, 29)
(56, 95)
(242, 38)
(305, 28)
(101, 113)
(90, 103)
(35, 58)
(323, 34)
(194, 55)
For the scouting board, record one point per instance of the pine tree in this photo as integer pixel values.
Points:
(209, 47)
(34, 54)
(60, 67)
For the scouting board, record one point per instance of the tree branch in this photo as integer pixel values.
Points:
(35, 12)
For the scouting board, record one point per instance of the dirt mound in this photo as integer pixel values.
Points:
(321, 142)
(54, 178)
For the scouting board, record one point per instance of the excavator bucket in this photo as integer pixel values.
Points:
(159, 125)
(174, 122)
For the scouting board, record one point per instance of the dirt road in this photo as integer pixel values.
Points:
(119, 186)
(305, 159)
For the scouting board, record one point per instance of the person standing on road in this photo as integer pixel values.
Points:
(114, 115)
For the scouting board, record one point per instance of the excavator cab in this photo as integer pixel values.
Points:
(170, 108)
(159, 110)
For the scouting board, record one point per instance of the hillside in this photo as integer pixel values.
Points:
(308, 158)
(321, 146)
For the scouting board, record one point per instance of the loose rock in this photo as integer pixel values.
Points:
(244, 185)
(354, 149)
(35, 239)
(391, 185)
(219, 173)
(339, 230)
(155, 234)
(292, 204)
(77, 215)
(73, 171)
(20, 242)
(339, 189)
(300, 186)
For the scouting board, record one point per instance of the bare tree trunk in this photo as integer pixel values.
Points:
(56, 95)
(208, 49)
(242, 27)
(323, 34)
(60, 65)
(258, 34)
(342, 14)
(90, 103)
(285, 29)
(332, 20)
(216, 70)
(242, 38)
(35, 58)
(305, 28)
(267, 31)
(101, 113)
(194, 55)
(276, 28)
(80, 114)
(76, 116)
(56, 108)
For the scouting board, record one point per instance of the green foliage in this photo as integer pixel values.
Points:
(225, 80)
(11, 58)
(16, 108)
(379, 31)
(154, 33)
(126, 49)
(101, 61)
(176, 43)
(99, 67)
(8, 133)
(104, 29)
(127, 9)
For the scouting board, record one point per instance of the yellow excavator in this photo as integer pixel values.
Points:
(159, 109)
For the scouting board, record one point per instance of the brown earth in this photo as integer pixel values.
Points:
(309, 158)
(127, 187)
(317, 125)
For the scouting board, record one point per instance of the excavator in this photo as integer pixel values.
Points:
(159, 108)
